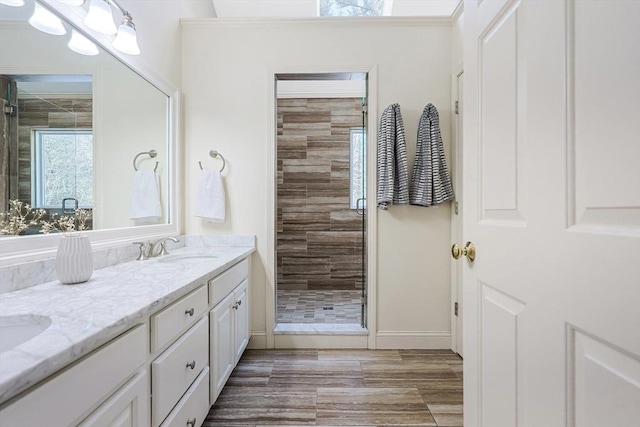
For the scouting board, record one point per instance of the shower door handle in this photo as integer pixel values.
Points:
(358, 210)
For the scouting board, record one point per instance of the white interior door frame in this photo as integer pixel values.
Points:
(372, 214)
(456, 213)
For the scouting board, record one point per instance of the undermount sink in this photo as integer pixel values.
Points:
(16, 330)
(187, 257)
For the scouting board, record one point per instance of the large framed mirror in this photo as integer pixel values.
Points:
(73, 131)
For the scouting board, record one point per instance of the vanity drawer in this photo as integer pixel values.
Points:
(174, 370)
(194, 405)
(223, 285)
(171, 321)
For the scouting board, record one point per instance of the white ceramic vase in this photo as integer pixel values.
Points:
(74, 260)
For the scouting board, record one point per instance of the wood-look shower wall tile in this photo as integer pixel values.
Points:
(345, 220)
(305, 221)
(63, 120)
(313, 150)
(312, 266)
(326, 193)
(308, 129)
(291, 147)
(327, 243)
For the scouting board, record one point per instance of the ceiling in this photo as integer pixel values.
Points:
(309, 8)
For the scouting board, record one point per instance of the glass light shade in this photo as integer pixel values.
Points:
(73, 2)
(100, 18)
(46, 21)
(126, 40)
(81, 44)
(15, 3)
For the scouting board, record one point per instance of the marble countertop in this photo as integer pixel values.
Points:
(88, 315)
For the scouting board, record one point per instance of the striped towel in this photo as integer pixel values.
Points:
(392, 173)
(430, 182)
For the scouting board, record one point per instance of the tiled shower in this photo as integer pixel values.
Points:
(319, 231)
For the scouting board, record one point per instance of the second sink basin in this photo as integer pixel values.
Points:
(186, 257)
(16, 330)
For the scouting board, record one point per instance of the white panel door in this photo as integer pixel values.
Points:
(551, 159)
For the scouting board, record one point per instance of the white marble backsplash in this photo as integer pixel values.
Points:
(241, 240)
(25, 275)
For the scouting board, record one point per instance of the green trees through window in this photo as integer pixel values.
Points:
(64, 167)
(351, 7)
(358, 168)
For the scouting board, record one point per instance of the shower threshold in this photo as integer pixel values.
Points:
(320, 329)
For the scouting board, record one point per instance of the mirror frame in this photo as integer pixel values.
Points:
(20, 249)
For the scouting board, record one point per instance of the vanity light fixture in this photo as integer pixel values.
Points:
(14, 3)
(47, 22)
(100, 18)
(80, 44)
(126, 40)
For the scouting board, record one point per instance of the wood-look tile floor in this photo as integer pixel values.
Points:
(342, 388)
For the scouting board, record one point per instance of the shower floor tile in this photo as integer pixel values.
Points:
(301, 306)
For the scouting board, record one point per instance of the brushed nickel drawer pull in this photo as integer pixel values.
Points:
(190, 311)
(192, 423)
(191, 365)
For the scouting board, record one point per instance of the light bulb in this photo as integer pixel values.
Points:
(45, 21)
(81, 44)
(126, 40)
(100, 17)
(14, 3)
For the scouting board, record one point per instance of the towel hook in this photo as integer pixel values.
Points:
(150, 153)
(214, 154)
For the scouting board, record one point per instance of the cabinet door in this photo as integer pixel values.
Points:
(241, 323)
(128, 407)
(222, 350)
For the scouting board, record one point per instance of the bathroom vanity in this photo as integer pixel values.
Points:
(143, 343)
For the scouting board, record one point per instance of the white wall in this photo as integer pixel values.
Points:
(158, 28)
(226, 71)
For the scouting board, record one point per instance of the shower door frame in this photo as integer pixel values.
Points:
(371, 213)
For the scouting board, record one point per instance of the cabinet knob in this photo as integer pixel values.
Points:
(192, 422)
(235, 306)
(191, 365)
(190, 311)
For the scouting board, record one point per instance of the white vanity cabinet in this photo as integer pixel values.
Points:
(128, 407)
(229, 324)
(165, 371)
(176, 369)
(106, 373)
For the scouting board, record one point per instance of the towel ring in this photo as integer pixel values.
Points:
(214, 154)
(150, 153)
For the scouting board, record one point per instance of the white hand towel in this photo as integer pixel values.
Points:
(145, 197)
(209, 202)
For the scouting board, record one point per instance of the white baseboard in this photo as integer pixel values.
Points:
(427, 340)
(258, 340)
(423, 340)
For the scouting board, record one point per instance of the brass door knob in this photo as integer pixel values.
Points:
(468, 251)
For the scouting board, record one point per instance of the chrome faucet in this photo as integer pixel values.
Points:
(163, 246)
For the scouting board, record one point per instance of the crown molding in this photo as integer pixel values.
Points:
(368, 22)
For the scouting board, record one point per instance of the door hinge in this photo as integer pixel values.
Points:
(456, 208)
(456, 111)
(455, 308)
